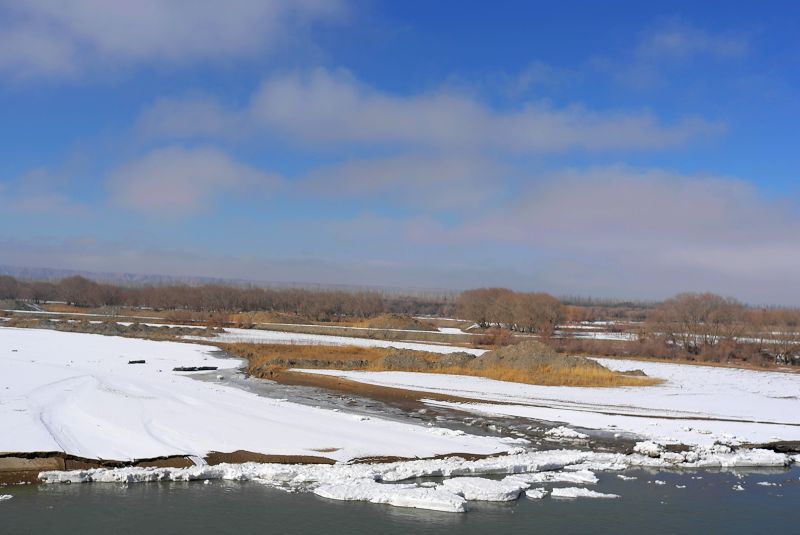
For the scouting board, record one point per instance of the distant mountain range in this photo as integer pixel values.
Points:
(138, 279)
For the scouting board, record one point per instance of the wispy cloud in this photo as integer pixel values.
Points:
(678, 41)
(668, 47)
(39, 191)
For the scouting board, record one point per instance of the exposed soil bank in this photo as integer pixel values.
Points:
(405, 399)
(17, 468)
(25, 467)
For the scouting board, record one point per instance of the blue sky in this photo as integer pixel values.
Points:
(619, 149)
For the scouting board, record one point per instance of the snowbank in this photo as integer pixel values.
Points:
(76, 393)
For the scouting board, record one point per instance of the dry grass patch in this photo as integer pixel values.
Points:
(552, 376)
(264, 360)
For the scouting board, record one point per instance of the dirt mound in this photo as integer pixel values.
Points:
(408, 360)
(530, 355)
(110, 328)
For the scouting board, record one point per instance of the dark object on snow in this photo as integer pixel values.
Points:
(194, 368)
(135, 362)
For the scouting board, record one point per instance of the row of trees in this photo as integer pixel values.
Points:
(695, 325)
(524, 312)
(319, 305)
(711, 325)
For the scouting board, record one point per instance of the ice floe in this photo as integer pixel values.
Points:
(482, 489)
(565, 432)
(577, 492)
(536, 494)
(583, 477)
(399, 495)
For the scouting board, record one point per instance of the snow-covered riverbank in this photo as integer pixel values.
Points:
(77, 393)
(695, 404)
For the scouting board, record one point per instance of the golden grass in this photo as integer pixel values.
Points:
(584, 376)
(263, 357)
(259, 355)
(119, 312)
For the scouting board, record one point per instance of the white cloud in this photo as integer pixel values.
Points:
(54, 37)
(176, 180)
(623, 209)
(648, 231)
(331, 107)
(323, 107)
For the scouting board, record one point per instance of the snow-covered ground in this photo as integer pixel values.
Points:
(694, 405)
(451, 330)
(76, 393)
(260, 336)
(334, 328)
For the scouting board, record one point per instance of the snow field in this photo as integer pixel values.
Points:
(76, 393)
(260, 336)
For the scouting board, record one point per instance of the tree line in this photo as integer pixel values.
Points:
(701, 326)
(718, 328)
(317, 304)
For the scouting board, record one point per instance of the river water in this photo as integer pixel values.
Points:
(707, 504)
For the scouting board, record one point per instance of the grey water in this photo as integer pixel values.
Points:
(707, 504)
